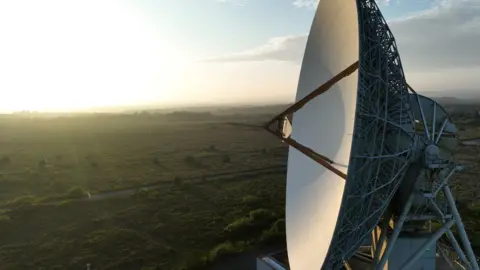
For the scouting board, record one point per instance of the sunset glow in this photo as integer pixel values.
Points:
(70, 55)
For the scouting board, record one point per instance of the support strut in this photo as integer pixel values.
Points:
(274, 126)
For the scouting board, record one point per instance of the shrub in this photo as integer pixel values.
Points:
(5, 160)
(225, 249)
(251, 226)
(178, 181)
(63, 203)
(22, 200)
(262, 214)
(475, 238)
(241, 224)
(275, 234)
(76, 192)
(150, 268)
(250, 200)
(141, 193)
(279, 226)
(226, 159)
(189, 160)
(42, 163)
(4, 218)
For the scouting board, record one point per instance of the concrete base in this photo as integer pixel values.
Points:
(406, 246)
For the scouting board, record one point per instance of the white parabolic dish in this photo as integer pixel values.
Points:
(325, 124)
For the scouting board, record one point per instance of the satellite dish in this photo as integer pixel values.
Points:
(325, 125)
(360, 130)
(386, 154)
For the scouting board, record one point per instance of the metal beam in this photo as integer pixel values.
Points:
(320, 159)
(461, 229)
(408, 265)
(396, 232)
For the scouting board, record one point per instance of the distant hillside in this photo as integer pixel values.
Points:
(225, 110)
(452, 94)
(456, 101)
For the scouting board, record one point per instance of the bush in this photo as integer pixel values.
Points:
(241, 224)
(63, 203)
(22, 200)
(141, 193)
(4, 218)
(150, 268)
(262, 215)
(226, 159)
(77, 192)
(275, 234)
(250, 200)
(42, 163)
(189, 160)
(5, 160)
(475, 240)
(178, 181)
(225, 249)
(251, 226)
(279, 226)
(220, 251)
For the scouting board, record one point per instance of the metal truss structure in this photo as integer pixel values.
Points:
(383, 138)
(277, 126)
(391, 133)
(425, 196)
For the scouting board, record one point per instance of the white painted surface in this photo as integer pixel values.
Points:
(325, 124)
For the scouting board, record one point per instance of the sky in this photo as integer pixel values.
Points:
(58, 55)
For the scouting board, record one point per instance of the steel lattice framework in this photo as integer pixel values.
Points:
(383, 137)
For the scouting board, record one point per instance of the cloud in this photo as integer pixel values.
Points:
(298, 3)
(314, 3)
(446, 36)
(285, 49)
(306, 3)
(235, 2)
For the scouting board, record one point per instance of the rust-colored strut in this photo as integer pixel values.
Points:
(285, 115)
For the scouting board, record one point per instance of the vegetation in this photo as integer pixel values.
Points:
(185, 190)
(465, 185)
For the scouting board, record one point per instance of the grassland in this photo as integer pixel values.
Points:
(187, 221)
(203, 206)
(47, 156)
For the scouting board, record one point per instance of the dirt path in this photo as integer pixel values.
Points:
(211, 177)
(471, 142)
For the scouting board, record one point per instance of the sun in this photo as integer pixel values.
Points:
(58, 55)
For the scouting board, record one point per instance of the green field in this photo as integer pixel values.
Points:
(45, 156)
(219, 189)
(45, 161)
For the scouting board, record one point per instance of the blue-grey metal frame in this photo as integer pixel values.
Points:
(383, 138)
